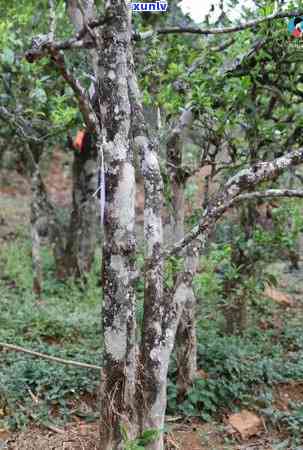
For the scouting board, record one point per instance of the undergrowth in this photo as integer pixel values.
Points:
(66, 323)
(240, 371)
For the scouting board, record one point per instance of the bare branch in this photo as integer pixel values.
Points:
(270, 193)
(67, 362)
(32, 131)
(42, 46)
(52, 17)
(224, 30)
(22, 127)
(241, 65)
(77, 41)
(241, 182)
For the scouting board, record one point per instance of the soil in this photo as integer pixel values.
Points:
(81, 436)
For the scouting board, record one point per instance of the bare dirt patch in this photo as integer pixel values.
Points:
(75, 437)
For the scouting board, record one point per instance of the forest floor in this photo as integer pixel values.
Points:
(45, 406)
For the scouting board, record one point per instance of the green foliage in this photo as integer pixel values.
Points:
(237, 265)
(208, 283)
(140, 443)
(236, 368)
(173, 266)
(63, 114)
(65, 324)
(33, 92)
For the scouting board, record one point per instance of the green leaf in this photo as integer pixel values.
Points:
(8, 56)
(148, 436)
(40, 95)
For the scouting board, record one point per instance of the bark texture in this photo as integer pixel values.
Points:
(157, 337)
(119, 319)
(186, 342)
(82, 234)
(44, 225)
(133, 387)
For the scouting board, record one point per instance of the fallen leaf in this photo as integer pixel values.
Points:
(246, 423)
(278, 296)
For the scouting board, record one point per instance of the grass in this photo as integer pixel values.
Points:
(67, 323)
(242, 371)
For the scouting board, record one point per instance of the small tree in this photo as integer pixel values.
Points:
(134, 375)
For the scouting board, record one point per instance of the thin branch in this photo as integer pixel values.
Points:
(75, 41)
(270, 193)
(84, 102)
(224, 30)
(38, 420)
(43, 46)
(240, 65)
(177, 172)
(201, 61)
(25, 129)
(67, 362)
(52, 19)
(22, 127)
(239, 183)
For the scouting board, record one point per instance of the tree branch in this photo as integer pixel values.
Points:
(201, 61)
(52, 18)
(242, 181)
(45, 48)
(28, 131)
(22, 127)
(84, 101)
(224, 30)
(77, 40)
(270, 193)
(242, 64)
(67, 362)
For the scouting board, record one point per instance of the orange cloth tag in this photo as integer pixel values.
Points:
(78, 143)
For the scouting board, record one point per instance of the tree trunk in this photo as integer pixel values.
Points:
(161, 312)
(160, 316)
(82, 235)
(186, 343)
(118, 383)
(44, 225)
(36, 261)
(235, 314)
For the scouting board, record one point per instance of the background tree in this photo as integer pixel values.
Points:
(40, 119)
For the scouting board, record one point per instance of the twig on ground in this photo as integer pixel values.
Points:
(48, 357)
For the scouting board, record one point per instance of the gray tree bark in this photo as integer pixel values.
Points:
(118, 385)
(186, 342)
(82, 233)
(44, 224)
(134, 380)
(157, 338)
